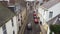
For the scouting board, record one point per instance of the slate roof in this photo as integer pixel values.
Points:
(50, 3)
(5, 15)
(52, 20)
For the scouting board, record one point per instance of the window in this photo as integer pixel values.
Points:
(13, 32)
(12, 21)
(50, 14)
(4, 29)
(18, 18)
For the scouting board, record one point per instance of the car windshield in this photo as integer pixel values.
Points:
(36, 19)
(29, 24)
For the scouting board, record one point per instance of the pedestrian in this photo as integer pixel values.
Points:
(40, 22)
(21, 20)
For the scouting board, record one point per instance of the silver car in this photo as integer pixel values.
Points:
(29, 26)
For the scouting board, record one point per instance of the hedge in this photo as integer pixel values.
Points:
(55, 28)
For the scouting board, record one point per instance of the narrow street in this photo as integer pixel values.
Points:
(35, 27)
(29, 16)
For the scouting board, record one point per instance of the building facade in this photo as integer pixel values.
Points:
(8, 21)
(49, 11)
(9, 27)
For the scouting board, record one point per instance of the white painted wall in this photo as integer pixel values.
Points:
(45, 15)
(15, 28)
(18, 8)
(48, 32)
(55, 9)
(1, 32)
(9, 27)
(19, 22)
(41, 14)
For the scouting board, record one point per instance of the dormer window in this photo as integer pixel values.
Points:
(50, 14)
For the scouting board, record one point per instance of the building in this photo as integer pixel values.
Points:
(55, 20)
(8, 21)
(49, 10)
(20, 9)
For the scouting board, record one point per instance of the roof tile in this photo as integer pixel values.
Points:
(50, 3)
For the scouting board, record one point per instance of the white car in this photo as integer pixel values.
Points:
(34, 17)
(29, 26)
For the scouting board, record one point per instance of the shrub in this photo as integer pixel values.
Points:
(55, 28)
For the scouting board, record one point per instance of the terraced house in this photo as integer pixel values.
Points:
(49, 13)
(19, 13)
(8, 21)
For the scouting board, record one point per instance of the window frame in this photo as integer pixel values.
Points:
(4, 29)
(50, 14)
(12, 21)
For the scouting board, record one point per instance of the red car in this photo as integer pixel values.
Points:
(36, 21)
(33, 11)
(34, 14)
(35, 17)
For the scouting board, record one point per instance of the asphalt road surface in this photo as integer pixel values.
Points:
(35, 27)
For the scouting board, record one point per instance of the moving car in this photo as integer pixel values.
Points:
(29, 26)
(36, 21)
(34, 14)
(34, 11)
(35, 17)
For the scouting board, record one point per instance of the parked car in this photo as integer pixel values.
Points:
(34, 11)
(35, 17)
(34, 14)
(29, 26)
(36, 21)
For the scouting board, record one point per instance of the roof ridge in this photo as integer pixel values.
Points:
(50, 3)
(54, 17)
(5, 14)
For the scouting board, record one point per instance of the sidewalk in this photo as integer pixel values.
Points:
(43, 30)
(24, 18)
